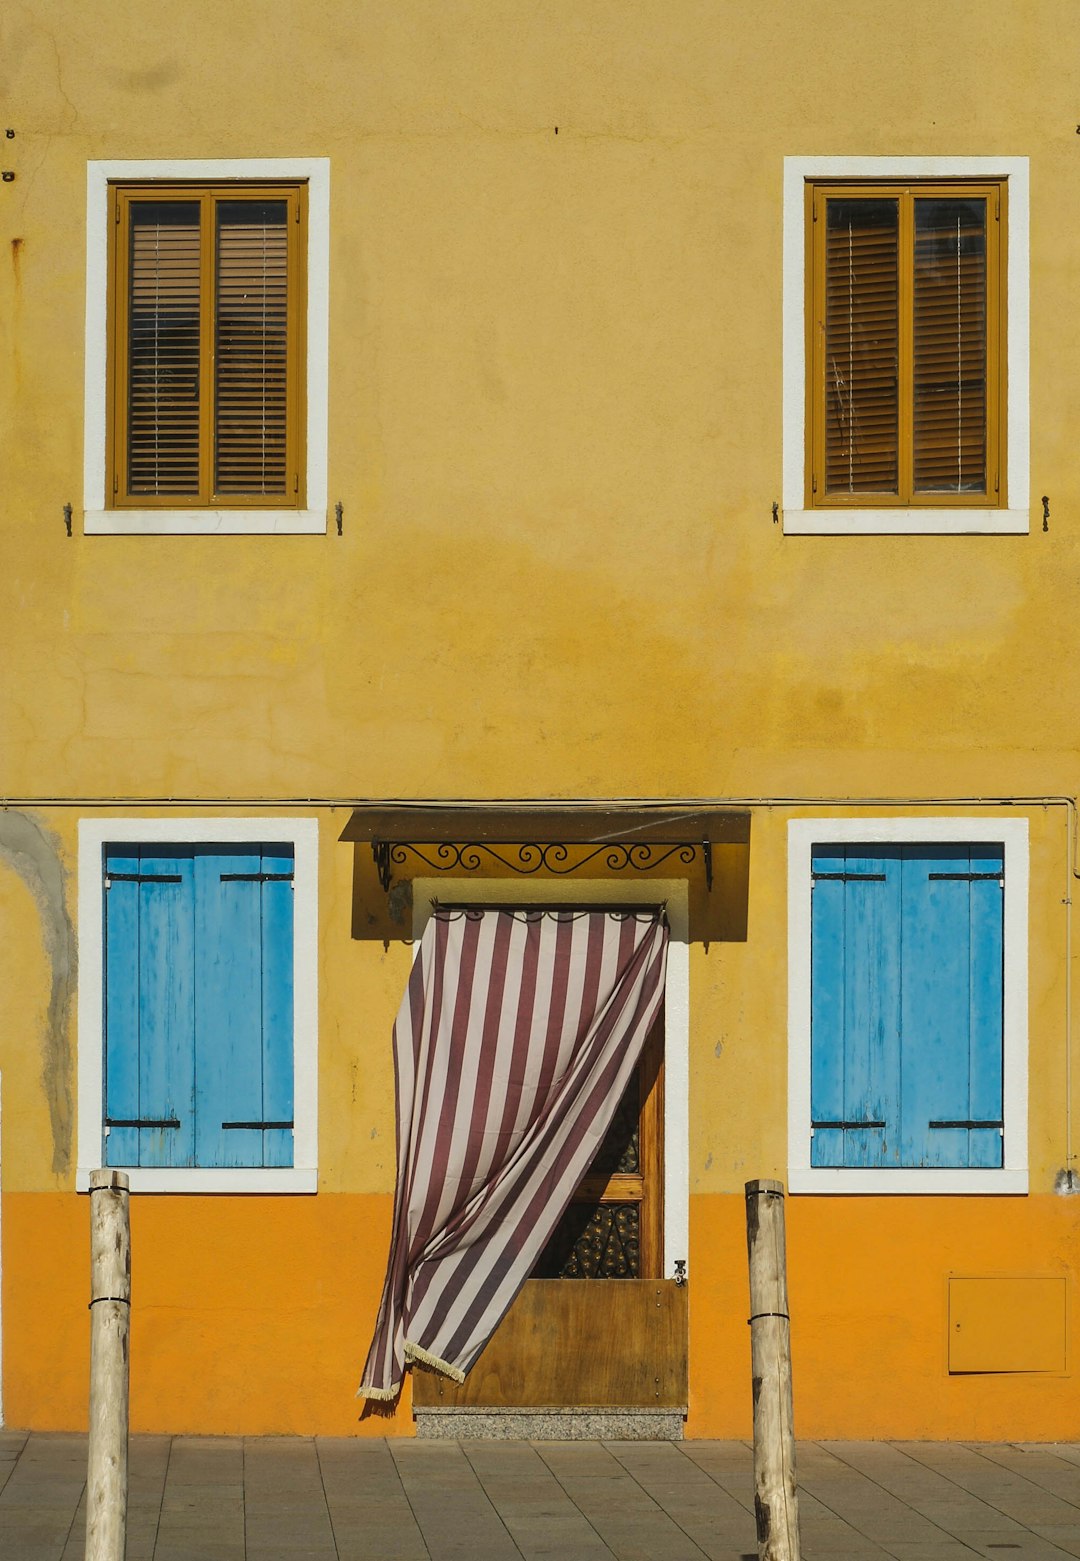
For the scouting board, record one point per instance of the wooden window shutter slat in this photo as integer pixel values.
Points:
(228, 1037)
(277, 1002)
(952, 1011)
(163, 359)
(122, 1008)
(861, 345)
(855, 1017)
(252, 352)
(950, 345)
(149, 1007)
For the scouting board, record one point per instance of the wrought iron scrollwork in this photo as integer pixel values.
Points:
(537, 857)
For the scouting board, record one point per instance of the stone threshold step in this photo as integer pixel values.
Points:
(595, 1423)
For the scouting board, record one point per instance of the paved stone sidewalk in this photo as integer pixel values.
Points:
(232, 1499)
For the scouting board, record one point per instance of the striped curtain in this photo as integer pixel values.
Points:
(516, 1039)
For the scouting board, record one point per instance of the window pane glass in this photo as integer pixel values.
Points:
(251, 377)
(861, 345)
(594, 1241)
(163, 348)
(950, 346)
(621, 1150)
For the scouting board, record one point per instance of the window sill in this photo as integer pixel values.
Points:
(905, 522)
(238, 1179)
(823, 1179)
(203, 522)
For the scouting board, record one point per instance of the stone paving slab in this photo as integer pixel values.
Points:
(331, 1499)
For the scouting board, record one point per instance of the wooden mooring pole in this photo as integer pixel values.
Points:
(110, 1319)
(776, 1501)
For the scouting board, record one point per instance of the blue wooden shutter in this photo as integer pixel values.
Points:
(244, 1026)
(277, 1002)
(907, 1006)
(149, 1007)
(855, 1015)
(952, 1008)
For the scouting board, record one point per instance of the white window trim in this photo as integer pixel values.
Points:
(303, 835)
(98, 519)
(803, 836)
(605, 891)
(1014, 517)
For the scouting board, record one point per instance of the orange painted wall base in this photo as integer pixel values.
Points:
(868, 1283)
(252, 1315)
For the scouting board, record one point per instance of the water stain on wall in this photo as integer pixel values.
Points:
(33, 853)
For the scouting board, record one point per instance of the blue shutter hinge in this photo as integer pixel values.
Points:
(112, 878)
(256, 877)
(851, 1127)
(967, 1123)
(141, 1122)
(967, 878)
(852, 877)
(230, 1126)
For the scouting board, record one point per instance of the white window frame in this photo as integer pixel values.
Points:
(303, 834)
(565, 894)
(98, 518)
(1012, 834)
(1014, 515)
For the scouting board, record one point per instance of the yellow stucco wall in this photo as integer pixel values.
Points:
(555, 415)
(555, 388)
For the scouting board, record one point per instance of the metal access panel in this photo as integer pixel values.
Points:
(1007, 1324)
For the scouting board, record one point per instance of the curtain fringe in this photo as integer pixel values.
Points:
(415, 1352)
(383, 1395)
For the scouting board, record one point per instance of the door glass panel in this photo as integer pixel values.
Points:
(594, 1241)
(621, 1150)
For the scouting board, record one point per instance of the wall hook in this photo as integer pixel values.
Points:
(7, 175)
(775, 513)
(339, 513)
(67, 518)
(1046, 511)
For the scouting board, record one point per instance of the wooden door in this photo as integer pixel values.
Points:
(614, 1226)
(596, 1324)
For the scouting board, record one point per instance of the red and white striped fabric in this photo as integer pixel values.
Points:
(514, 1044)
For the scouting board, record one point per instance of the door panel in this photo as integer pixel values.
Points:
(618, 1340)
(619, 1343)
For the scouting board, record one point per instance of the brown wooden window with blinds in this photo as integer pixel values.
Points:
(906, 363)
(206, 313)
